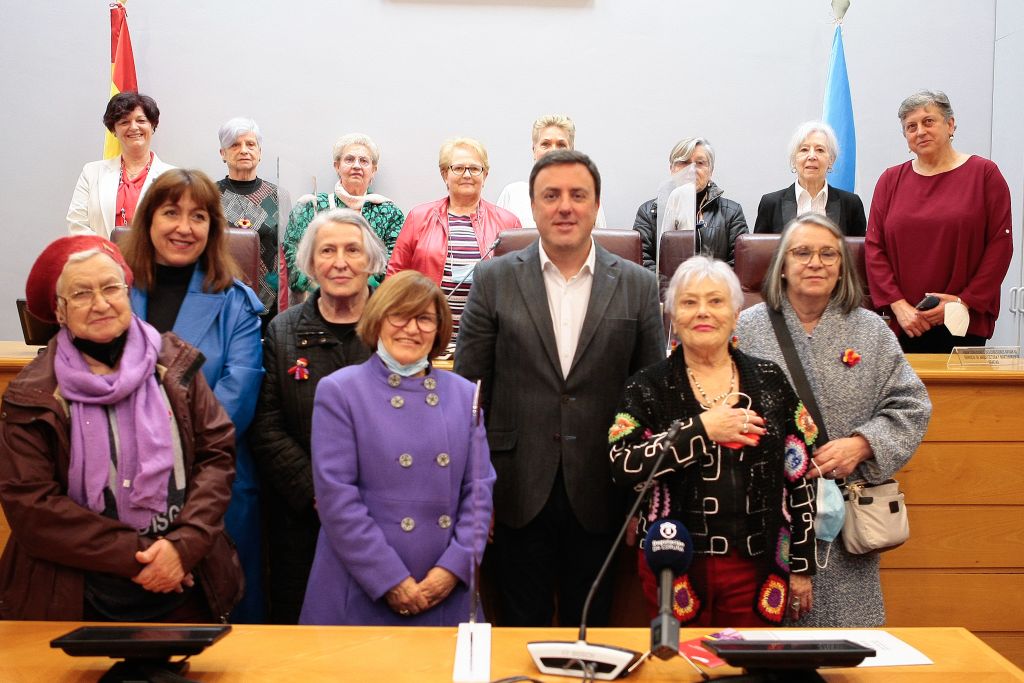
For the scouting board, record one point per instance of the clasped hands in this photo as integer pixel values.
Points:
(733, 427)
(915, 322)
(163, 572)
(409, 597)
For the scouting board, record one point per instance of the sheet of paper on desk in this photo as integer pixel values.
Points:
(889, 650)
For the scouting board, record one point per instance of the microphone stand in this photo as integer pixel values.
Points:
(494, 245)
(582, 659)
(473, 646)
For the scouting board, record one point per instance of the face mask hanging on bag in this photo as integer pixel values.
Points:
(829, 513)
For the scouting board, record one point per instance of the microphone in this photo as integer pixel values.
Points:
(494, 245)
(586, 660)
(668, 550)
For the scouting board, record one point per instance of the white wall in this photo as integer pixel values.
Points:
(635, 74)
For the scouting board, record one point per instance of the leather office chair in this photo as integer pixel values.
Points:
(676, 246)
(35, 331)
(754, 253)
(243, 245)
(624, 243)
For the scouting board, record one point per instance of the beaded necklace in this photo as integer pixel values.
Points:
(710, 403)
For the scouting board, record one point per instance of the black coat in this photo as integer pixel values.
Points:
(845, 209)
(723, 223)
(280, 438)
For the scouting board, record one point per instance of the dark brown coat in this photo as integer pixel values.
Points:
(55, 541)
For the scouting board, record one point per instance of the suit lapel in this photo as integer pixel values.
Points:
(530, 280)
(606, 279)
(198, 311)
(832, 208)
(788, 205)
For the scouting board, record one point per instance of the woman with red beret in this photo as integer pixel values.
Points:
(116, 460)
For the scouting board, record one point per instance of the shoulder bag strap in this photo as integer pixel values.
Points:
(796, 371)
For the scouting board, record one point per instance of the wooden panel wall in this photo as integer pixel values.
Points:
(964, 562)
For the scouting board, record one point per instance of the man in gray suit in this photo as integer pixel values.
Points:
(554, 331)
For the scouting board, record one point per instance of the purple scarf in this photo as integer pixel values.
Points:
(143, 419)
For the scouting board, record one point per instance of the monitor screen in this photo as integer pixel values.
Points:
(149, 642)
(789, 654)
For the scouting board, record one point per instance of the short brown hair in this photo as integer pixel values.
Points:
(407, 293)
(216, 261)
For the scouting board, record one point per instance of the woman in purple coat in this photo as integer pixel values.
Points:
(401, 472)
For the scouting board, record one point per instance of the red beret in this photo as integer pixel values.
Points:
(41, 286)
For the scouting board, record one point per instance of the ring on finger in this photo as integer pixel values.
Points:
(404, 612)
(745, 428)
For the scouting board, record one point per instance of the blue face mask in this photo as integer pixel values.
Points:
(404, 370)
(830, 511)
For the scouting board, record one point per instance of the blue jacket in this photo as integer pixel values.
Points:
(225, 327)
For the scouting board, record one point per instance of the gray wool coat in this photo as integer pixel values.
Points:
(882, 399)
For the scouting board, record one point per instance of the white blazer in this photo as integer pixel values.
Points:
(95, 199)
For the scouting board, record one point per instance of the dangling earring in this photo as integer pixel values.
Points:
(950, 136)
(829, 170)
(792, 169)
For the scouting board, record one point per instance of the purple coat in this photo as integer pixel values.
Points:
(397, 492)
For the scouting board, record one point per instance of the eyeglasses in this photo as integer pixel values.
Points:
(803, 255)
(84, 297)
(426, 322)
(352, 160)
(683, 163)
(460, 169)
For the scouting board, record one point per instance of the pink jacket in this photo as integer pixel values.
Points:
(423, 242)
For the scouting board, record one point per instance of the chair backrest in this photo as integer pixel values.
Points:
(35, 331)
(624, 243)
(243, 245)
(754, 254)
(676, 246)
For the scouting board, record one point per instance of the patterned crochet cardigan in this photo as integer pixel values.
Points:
(780, 521)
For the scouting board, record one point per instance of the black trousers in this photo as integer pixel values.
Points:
(938, 340)
(552, 560)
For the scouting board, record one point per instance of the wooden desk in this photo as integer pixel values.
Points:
(370, 654)
(964, 562)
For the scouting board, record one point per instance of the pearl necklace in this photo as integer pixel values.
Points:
(710, 403)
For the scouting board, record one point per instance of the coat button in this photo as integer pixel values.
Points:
(432, 399)
(444, 521)
(408, 524)
(405, 460)
(394, 380)
(443, 459)
(303, 342)
(397, 401)
(430, 384)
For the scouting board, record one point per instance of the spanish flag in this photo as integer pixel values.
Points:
(122, 66)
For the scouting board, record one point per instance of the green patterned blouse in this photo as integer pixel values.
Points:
(386, 220)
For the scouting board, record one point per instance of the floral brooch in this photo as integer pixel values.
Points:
(623, 426)
(243, 223)
(850, 358)
(300, 370)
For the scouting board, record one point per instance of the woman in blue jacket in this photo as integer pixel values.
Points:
(185, 283)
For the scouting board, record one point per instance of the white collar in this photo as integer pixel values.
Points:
(588, 265)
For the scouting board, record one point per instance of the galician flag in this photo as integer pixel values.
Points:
(122, 66)
(839, 114)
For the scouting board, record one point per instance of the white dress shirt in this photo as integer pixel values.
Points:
(567, 301)
(805, 202)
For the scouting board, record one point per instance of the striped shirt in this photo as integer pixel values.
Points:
(462, 257)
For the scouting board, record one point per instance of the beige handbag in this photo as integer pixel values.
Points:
(876, 517)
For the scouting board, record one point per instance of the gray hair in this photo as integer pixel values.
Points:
(922, 98)
(356, 139)
(85, 255)
(848, 292)
(807, 128)
(558, 120)
(375, 249)
(685, 148)
(697, 268)
(236, 128)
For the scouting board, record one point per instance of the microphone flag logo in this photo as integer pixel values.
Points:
(667, 530)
